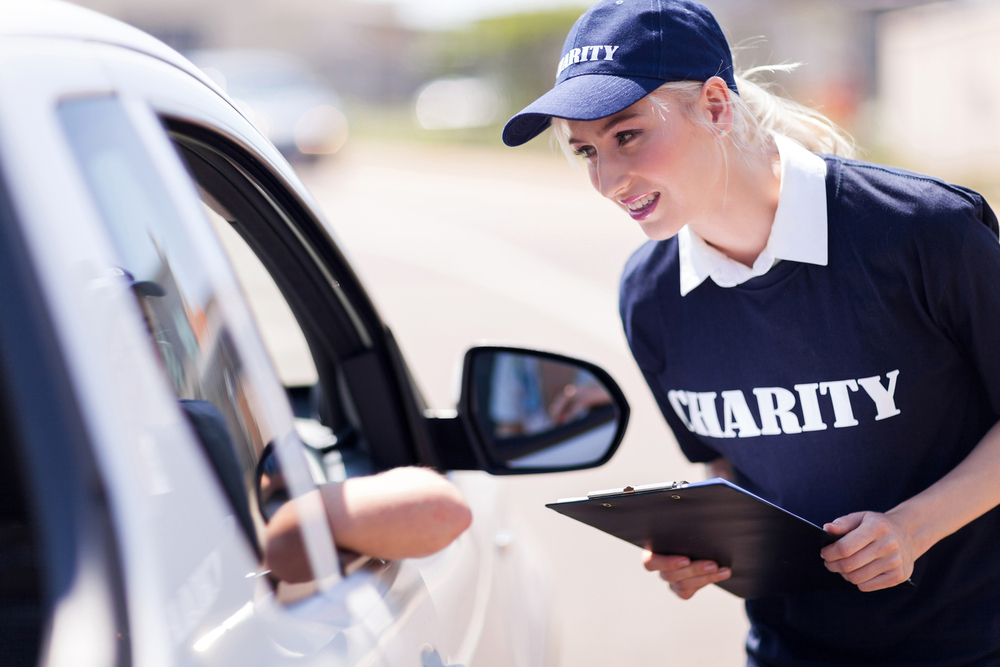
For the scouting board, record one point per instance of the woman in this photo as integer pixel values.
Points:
(822, 327)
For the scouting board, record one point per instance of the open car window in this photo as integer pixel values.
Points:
(331, 434)
(200, 340)
(351, 416)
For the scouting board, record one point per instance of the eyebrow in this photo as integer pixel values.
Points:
(611, 122)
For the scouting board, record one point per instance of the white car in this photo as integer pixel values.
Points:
(157, 405)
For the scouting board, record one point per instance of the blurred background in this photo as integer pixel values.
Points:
(392, 111)
(912, 80)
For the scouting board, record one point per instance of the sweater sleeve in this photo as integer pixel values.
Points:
(966, 305)
(694, 449)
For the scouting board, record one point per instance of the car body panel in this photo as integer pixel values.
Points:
(71, 23)
(176, 596)
(174, 603)
(192, 580)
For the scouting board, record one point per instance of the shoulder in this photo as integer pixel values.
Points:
(650, 278)
(909, 229)
(648, 271)
(872, 193)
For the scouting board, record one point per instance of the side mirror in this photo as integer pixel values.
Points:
(533, 412)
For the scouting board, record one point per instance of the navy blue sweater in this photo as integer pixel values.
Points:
(847, 387)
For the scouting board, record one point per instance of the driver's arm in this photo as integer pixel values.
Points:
(400, 513)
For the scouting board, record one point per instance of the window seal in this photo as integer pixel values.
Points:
(397, 436)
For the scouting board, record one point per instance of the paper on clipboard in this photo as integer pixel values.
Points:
(769, 550)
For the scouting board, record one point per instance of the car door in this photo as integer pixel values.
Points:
(425, 612)
(150, 317)
(435, 609)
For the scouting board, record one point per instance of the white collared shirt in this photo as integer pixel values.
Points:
(798, 232)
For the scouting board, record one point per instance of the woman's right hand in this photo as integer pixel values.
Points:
(684, 576)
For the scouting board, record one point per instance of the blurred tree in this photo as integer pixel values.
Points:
(519, 51)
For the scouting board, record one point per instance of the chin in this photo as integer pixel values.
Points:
(658, 230)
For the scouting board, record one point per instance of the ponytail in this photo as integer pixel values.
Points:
(773, 114)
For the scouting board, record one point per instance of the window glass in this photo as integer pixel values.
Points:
(307, 333)
(332, 443)
(283, 338)
(188, 329)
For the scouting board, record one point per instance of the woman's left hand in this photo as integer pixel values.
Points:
(874, 552)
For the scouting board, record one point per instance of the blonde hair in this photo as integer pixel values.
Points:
(757, 114)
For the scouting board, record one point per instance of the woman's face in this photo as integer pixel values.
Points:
(659, 167)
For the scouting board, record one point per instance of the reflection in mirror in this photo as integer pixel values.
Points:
(540, 412)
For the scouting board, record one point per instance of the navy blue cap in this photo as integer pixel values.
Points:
(618, 52)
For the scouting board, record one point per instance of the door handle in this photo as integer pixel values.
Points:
(429, 657)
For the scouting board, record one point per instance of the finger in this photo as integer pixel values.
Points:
(881, 566)
(688, 587)
(882, 548)
(845, 524)
(656, 562)
(873, 527)
(699, 568)
(558, 409)
(882, 581)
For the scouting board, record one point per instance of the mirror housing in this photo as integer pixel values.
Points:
(525, 411)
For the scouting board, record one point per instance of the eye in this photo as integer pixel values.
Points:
(626, 136)
(584, 151)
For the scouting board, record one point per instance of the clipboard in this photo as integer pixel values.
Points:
(769, 550)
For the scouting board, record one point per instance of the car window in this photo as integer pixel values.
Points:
(292, 358)
(190, 329)
(322, 350)
(282, 335)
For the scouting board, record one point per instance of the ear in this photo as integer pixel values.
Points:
(717, 105)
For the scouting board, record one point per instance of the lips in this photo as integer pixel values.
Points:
(641, 206)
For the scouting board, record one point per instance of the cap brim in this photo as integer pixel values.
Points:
(584, 97)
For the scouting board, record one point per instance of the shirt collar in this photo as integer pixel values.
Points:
(798, 233)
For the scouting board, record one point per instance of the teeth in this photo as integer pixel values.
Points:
(641, 203)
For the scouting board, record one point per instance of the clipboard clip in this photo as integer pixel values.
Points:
(668, 486)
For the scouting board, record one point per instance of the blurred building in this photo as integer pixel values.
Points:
(362, 48)
(367, 53)
(940, 88)
(836, 43)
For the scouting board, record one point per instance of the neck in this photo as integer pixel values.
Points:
(746, 197)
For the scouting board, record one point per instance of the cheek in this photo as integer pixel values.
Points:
(703, 161)
(673, 160)
(656, 167)
(594, 180)
(652, 159)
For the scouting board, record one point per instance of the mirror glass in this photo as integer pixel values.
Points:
(535, 411)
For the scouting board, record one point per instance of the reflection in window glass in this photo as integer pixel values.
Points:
(293, 361)
(190, 336)
(282, 336)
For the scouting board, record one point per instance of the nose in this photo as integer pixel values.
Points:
(608, 175)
